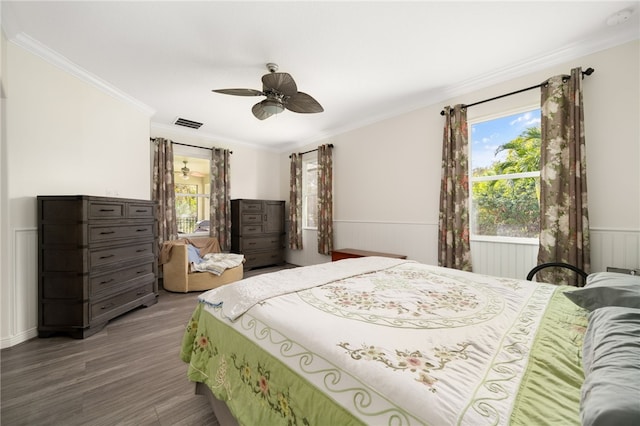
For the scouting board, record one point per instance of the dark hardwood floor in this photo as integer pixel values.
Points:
(129, 373)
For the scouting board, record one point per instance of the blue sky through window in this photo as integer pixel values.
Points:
(487, 136)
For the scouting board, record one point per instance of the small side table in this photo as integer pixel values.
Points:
(350, 253)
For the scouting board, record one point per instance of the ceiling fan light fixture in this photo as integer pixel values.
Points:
(272, 107)
(185, 171)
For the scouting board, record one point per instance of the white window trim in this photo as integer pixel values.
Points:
(507, 176)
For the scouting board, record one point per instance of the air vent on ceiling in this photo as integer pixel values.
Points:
(187, 123)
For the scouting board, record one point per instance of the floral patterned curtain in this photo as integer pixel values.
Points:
(325, 199)
(219, 199)
(453, 242)
(564, 221)
(163, 191)
(295, 203)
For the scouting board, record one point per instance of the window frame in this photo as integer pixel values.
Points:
(190, 153)
(471, 179)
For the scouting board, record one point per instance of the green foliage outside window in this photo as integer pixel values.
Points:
(186, 207)
(510, 206)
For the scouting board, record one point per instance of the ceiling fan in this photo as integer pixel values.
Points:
(186, 172)
(281, 92)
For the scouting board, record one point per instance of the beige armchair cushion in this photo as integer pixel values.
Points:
(177, 276)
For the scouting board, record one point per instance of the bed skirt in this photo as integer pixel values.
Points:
(220, 409)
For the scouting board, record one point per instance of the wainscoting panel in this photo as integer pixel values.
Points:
(614, 247)
(418, 241)
(24, 288)
(415, 240)
(503, 259)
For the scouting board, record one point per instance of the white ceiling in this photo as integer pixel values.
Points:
(363, 61)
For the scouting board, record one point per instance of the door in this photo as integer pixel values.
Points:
(274, 217)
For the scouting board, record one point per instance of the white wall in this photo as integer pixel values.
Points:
(61, 135)
(387, 175)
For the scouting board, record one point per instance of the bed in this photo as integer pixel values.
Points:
(387, 341)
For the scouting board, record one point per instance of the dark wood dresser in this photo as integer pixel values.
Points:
(257, 231)
(97, 260)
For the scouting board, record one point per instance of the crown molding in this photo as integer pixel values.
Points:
(32, 45)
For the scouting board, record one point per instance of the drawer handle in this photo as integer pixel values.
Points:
(140, 210)
(107, 281)
(141, 272)
(141, 292)
(252, 229)
(252, 244)
(141, 230)
(107, 306)
(107, 232)
(141, 250)
(107, 210)
(107, 256)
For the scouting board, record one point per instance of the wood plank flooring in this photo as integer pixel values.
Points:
(129, 373)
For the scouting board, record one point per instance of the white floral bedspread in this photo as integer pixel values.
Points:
(408, 344)
(236, 299)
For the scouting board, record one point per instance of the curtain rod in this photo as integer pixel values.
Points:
(312, 150)
(588, 71)
(192, 146)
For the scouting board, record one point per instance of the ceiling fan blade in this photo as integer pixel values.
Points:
(259, 112)
(303, 103)
(239, 92)
(281, 82)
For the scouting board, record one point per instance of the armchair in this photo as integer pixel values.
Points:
(177, 276)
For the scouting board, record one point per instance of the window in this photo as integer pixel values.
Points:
(310, 193)
(192, 185)
(505, 176)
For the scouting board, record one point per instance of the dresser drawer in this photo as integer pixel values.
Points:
(252, 218)
(140, 211)
(249, 244)
(105, 210)
(251, 206)
(108, 233)
(106, 308)
(265, 258)
(119, 254)
(105, 283)
(251, 229)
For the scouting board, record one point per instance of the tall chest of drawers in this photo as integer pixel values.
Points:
(257, 231)
(97, 259)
